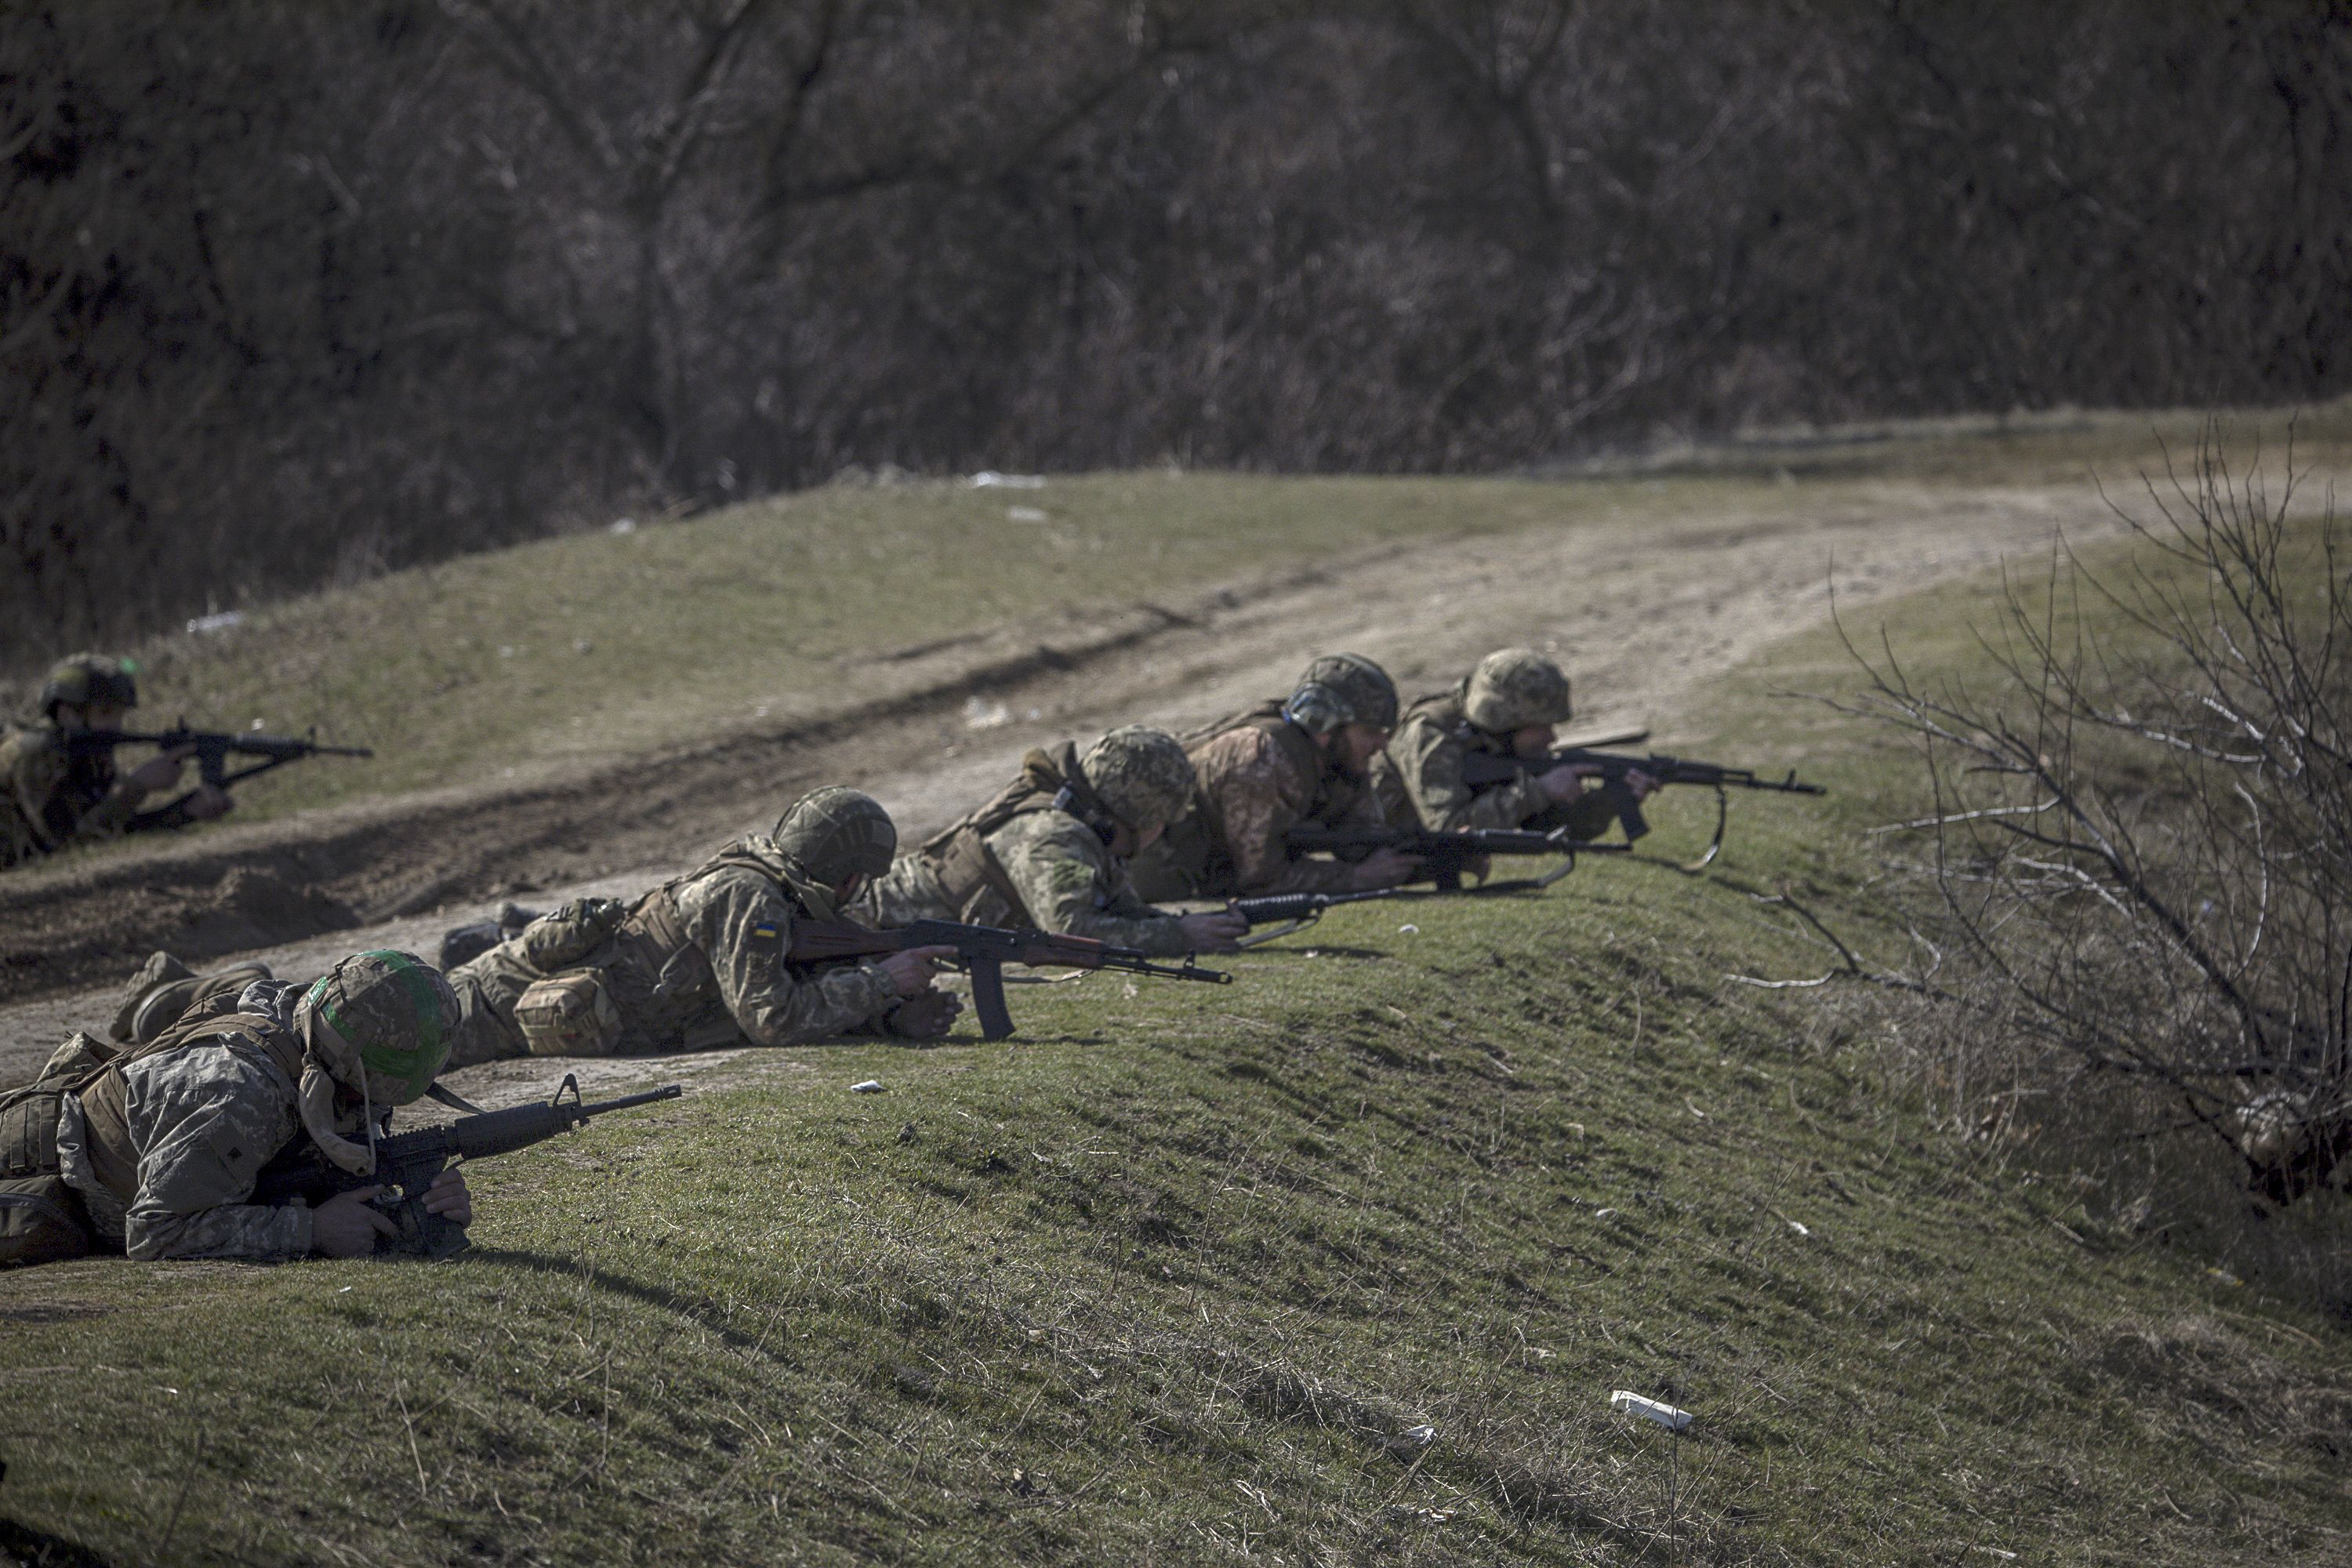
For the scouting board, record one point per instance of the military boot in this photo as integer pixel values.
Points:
(164, 989)
(462, 944)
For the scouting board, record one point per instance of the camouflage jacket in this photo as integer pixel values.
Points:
(738, 912)
(1418, 780)
(1064, 878)
(204, 1119)
(1259, 776)
(49, 798)
(695, 964)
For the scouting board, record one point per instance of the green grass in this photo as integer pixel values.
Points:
(584, 647)
(1171, 1279)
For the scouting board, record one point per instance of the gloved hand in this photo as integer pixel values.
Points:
(925, 1015)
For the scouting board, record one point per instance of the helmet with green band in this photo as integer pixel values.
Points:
(387, 1016)
(90, 677)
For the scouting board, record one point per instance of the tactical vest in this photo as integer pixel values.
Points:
(959, 856)
(659, 980)
(114, 1157)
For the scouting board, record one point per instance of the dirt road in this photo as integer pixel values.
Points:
(1641, 613)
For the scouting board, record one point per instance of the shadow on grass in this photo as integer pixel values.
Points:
(22, 1544)
(701, 1311)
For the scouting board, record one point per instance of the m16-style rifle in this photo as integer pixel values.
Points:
(213, 749)
(406, 1162)
(1446, 856)
(1482, 769)
(983, 951)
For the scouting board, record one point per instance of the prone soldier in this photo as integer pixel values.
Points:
(699, 963)
(158, 1149)
(1506, 707)
(52, 794)
(1297, 762)
(1051, 852)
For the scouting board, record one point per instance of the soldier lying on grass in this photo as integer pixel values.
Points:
(1051, 851)
(157, 1149)
(1301, 760)
(699, 963)
(1506, 708)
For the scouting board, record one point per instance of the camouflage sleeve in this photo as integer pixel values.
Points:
(35, 770)
(1257, 799)
(1069, 883)
(745, 925)
(1428, 766)
(205, 1122)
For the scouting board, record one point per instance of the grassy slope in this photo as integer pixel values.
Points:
(752, 616)
(1171, 1282)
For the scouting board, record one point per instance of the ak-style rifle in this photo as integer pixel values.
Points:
(1480, 769)
(983, 951)
(215, 748)
(1446, 856)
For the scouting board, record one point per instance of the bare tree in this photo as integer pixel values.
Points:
(2141, 839)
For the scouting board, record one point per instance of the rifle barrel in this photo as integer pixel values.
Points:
(667, 1091)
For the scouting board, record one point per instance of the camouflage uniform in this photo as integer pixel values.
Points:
(156, 1149)
(695, 964)
(49, 796)
(1418, 780)
(1261, 774)
(1032, 857)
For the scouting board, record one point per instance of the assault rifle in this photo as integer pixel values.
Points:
(1446, 856)
(1288, 912)
(983, 951)
(214, 750)
(1480, 769)
(406, 1162)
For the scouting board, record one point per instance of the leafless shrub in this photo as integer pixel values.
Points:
(2140, 842)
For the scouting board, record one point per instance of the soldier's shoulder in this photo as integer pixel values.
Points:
(31, 746)
(729, 883)
(1055, 832)
(228, 1068)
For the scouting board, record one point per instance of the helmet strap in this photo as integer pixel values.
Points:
(316, 1100)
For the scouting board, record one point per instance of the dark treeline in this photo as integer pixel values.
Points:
(291, 292)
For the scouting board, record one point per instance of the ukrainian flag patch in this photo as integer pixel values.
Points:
(765, 930)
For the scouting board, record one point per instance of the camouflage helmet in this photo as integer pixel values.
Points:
(1514, 689)
(381, 1023)
(835, 834)
(1342, 688)
(1140, 773)
(88, 678)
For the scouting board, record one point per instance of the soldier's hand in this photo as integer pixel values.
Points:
(1640, 785)
(1564, 782)
(160, 771)
(925, 1017)
(449, 1198)
(208, 802)
(909, 972)
(1385, 868)
(1215, 930)
(344, 1226)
